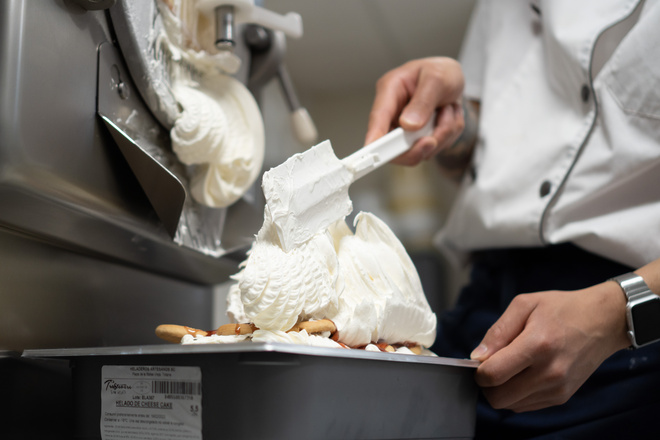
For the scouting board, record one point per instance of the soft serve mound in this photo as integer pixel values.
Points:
(363, 282)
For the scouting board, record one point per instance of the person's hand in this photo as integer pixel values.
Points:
(409, 95)
(546, 345)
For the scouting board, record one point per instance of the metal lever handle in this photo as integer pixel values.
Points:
(301, 122)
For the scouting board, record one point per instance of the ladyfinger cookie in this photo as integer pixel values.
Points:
(320, 326)
(236, 329)
(174, 333)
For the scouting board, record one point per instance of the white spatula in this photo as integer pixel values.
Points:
(309, 192)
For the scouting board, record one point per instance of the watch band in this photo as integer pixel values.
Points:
(638, 294)
(632, 284)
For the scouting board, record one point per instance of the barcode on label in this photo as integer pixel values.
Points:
(176, 387)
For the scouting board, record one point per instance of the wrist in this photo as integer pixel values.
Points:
(610, 307)
(642, 309)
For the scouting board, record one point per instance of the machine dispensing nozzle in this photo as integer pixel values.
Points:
(224, 27)
(229, 13)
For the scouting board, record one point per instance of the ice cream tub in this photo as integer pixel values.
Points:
(267, 391)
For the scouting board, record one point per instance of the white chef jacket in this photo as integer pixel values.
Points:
(569, 136)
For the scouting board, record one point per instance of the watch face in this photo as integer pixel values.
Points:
(646, 319)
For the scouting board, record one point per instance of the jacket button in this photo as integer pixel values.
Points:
(545, 188)
(584, 93)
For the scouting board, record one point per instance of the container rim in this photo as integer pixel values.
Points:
(246, 347)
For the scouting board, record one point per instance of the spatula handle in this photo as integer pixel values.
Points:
(384, 149)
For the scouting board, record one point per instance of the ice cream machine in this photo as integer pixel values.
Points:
(96, 212)
(100, 239)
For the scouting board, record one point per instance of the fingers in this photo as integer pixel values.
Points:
(546, 381)
(519, 377)
(423, 149)
(393, 92)
(507, 350)
(529, 391)
(409, 95)
(435, 88)
(506, 363)
(507, 328)
(541, 350)
(449, 125)
(391, 96)
(516, 393)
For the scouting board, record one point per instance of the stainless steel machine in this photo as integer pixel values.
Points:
(93, 253)
(99, 240)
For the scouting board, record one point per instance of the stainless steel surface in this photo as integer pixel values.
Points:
(122, 112)
(84, 258)
(63, 178)
(277, 391)
(95, 5)
(267, 53)
(224, 27)
(146, 148)
(164, 191)
(53, 297)
(249, 347)
(135, 24)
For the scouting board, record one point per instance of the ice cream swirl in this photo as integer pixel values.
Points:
(218, 130)
(278, 288)
(364, 281)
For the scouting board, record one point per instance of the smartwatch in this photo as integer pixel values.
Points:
(642, 310)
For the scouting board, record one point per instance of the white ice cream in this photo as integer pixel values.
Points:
(383, 298)
(364, 282)
(278, 288)
(300, 338)
(213, 339)
(219, 130)
(306, 193)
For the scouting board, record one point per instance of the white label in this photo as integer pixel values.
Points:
(151, 403)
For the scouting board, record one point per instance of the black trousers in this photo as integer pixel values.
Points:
(621, 400)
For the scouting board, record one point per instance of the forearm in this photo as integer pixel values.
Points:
(651, 275)
(455, 160)
(611, 304)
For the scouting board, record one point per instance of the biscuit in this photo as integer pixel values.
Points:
(320, 326)
(236, 329)
(174, 333)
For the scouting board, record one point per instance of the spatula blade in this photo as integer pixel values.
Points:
(306, 194)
